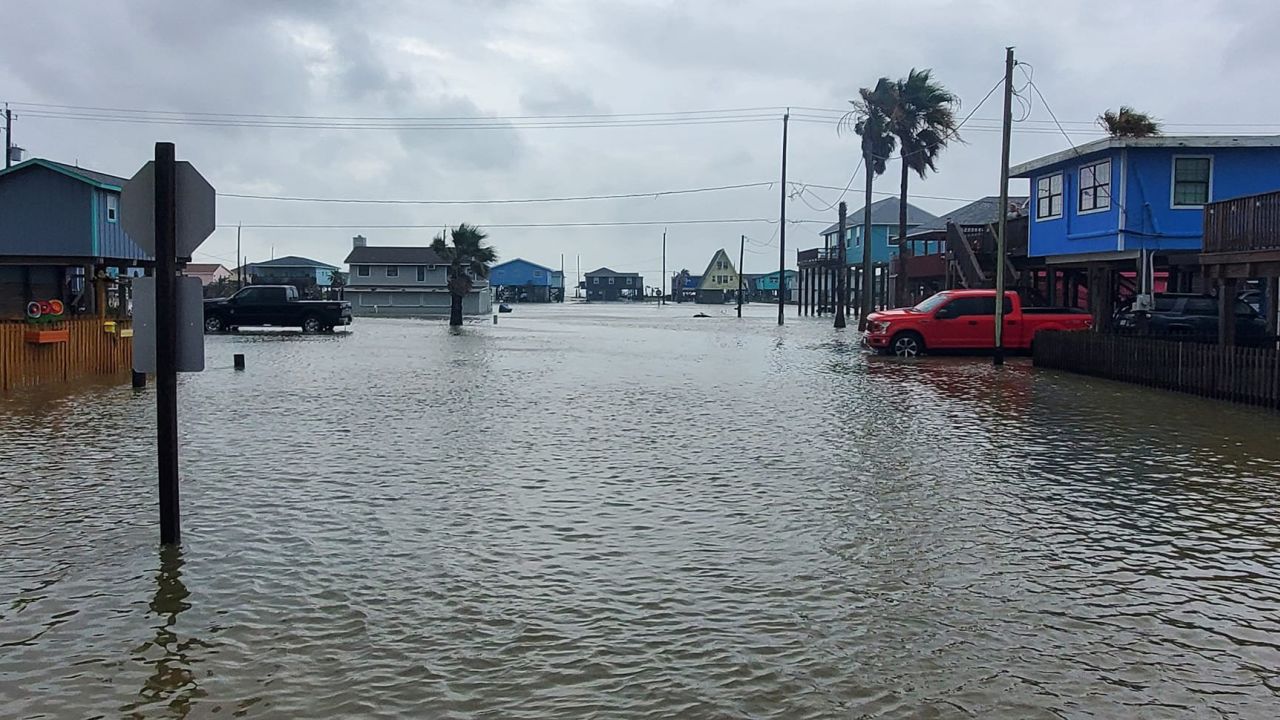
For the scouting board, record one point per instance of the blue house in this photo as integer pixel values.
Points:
(1118, 200)
(525, 281)
(884, 227)
(291, 270)
(766, 285)
(60, 236)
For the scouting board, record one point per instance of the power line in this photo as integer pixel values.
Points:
(603, 223)
(1040, 95)
(374, 201)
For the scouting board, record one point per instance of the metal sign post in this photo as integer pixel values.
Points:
(168, 210)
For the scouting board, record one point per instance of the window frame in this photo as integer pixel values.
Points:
(1095, 187)
(1061, 195)
(362, 271)
(1173, 182)
(422, 273)
(113, 208)
(389, 268)
(611, 280)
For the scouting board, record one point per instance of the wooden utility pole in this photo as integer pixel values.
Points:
(742, 247)
(240, 269)
(782, 221)
(1003, 225)
(8, 136)
(868, 272)
(166, 229)
(841, 291)
(662, 296)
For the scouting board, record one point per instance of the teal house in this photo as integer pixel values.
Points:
(884, 228)
(766, 286)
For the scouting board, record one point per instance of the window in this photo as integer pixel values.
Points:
(362, 270)
(393, 271)
(422, 273)
(113, 208)
(610, 281)
(977, 306)
(1095, 187)
(537, 273)
(628, 281)
(595, 281)
(1049, 197)
(1207, 307)
(1191, 180)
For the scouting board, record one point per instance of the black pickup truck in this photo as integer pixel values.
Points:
(277, 306)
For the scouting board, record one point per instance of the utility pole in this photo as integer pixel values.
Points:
(782, 221)
(8, 136)
(240, 269)
(166, 229)
(742, 247)
(578, 285)
(842, 293)
(998, 358)
(562, 287)
(868, 271)
(662, 296)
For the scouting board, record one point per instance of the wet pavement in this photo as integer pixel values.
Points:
(627, 512)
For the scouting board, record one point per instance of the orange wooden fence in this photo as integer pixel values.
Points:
(88, 349)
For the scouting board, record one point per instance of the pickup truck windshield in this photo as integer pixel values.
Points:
(262, 295)
(932, 303)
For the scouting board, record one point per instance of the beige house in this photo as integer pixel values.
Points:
(719, 282)
(208, 272)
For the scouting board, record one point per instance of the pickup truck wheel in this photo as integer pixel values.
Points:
(213, 324)
(906, 344)
(311, 324)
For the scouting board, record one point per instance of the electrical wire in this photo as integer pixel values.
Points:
(1071, 142)
(603, 223)
(512, 201)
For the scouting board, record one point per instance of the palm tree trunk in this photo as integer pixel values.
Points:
(455, 310)
(868, 270)
(900, 285)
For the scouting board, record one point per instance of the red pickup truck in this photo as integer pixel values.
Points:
(966, 320)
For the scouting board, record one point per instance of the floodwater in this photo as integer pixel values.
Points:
(626, 512)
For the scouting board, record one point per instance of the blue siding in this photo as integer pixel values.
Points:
(1150, 221)
(520, 273)
(881, 249)
(110, 238)
(45, 213)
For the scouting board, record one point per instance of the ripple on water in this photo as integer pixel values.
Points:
(625, 512)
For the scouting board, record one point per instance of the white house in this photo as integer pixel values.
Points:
(405, 281)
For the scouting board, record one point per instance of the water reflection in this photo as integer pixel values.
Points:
(172, 680)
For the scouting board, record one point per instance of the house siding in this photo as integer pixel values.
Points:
(521, 273)
(110, 238)
(43, 212)
(435, 276)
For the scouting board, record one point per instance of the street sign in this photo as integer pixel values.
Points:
(195, 208)
(190, 329)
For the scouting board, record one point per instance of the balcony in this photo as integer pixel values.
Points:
(1243, 225)
(805, 257)
(922, 266)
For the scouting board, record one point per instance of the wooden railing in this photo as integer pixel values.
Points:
(1243, 224)
(1240, 374)
(67, 350)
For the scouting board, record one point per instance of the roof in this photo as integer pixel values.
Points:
(92, 177)
(293, 261)
(526, 262)
(978, 212)
(883, 212)
(606, 272)
(394, 255)
(204, 267)
(1206, 142)
(718, 254)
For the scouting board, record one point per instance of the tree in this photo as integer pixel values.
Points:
(921, 115)
(337, 282)
(1128, 123)
(870, 118)
(468, 258)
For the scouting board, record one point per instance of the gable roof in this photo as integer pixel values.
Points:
(293, 261)
(883, 212)
(606, 272)
(1202, 142)
(92, 177)
(719, 254)
(394, 255)
(523, 261)
(978, 212)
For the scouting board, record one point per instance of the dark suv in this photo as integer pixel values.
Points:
(1192, 316)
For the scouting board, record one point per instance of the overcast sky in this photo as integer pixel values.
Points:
(1197, 66)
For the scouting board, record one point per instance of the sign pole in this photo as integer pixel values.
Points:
(166, 230)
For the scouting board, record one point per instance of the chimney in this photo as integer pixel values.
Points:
(358, 241)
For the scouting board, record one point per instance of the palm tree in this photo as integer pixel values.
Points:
(1129, 123)
(870, 116)
(922, 118)
(468, 258)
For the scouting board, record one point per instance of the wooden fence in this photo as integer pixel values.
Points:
(1240, 374)
(88, 349)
